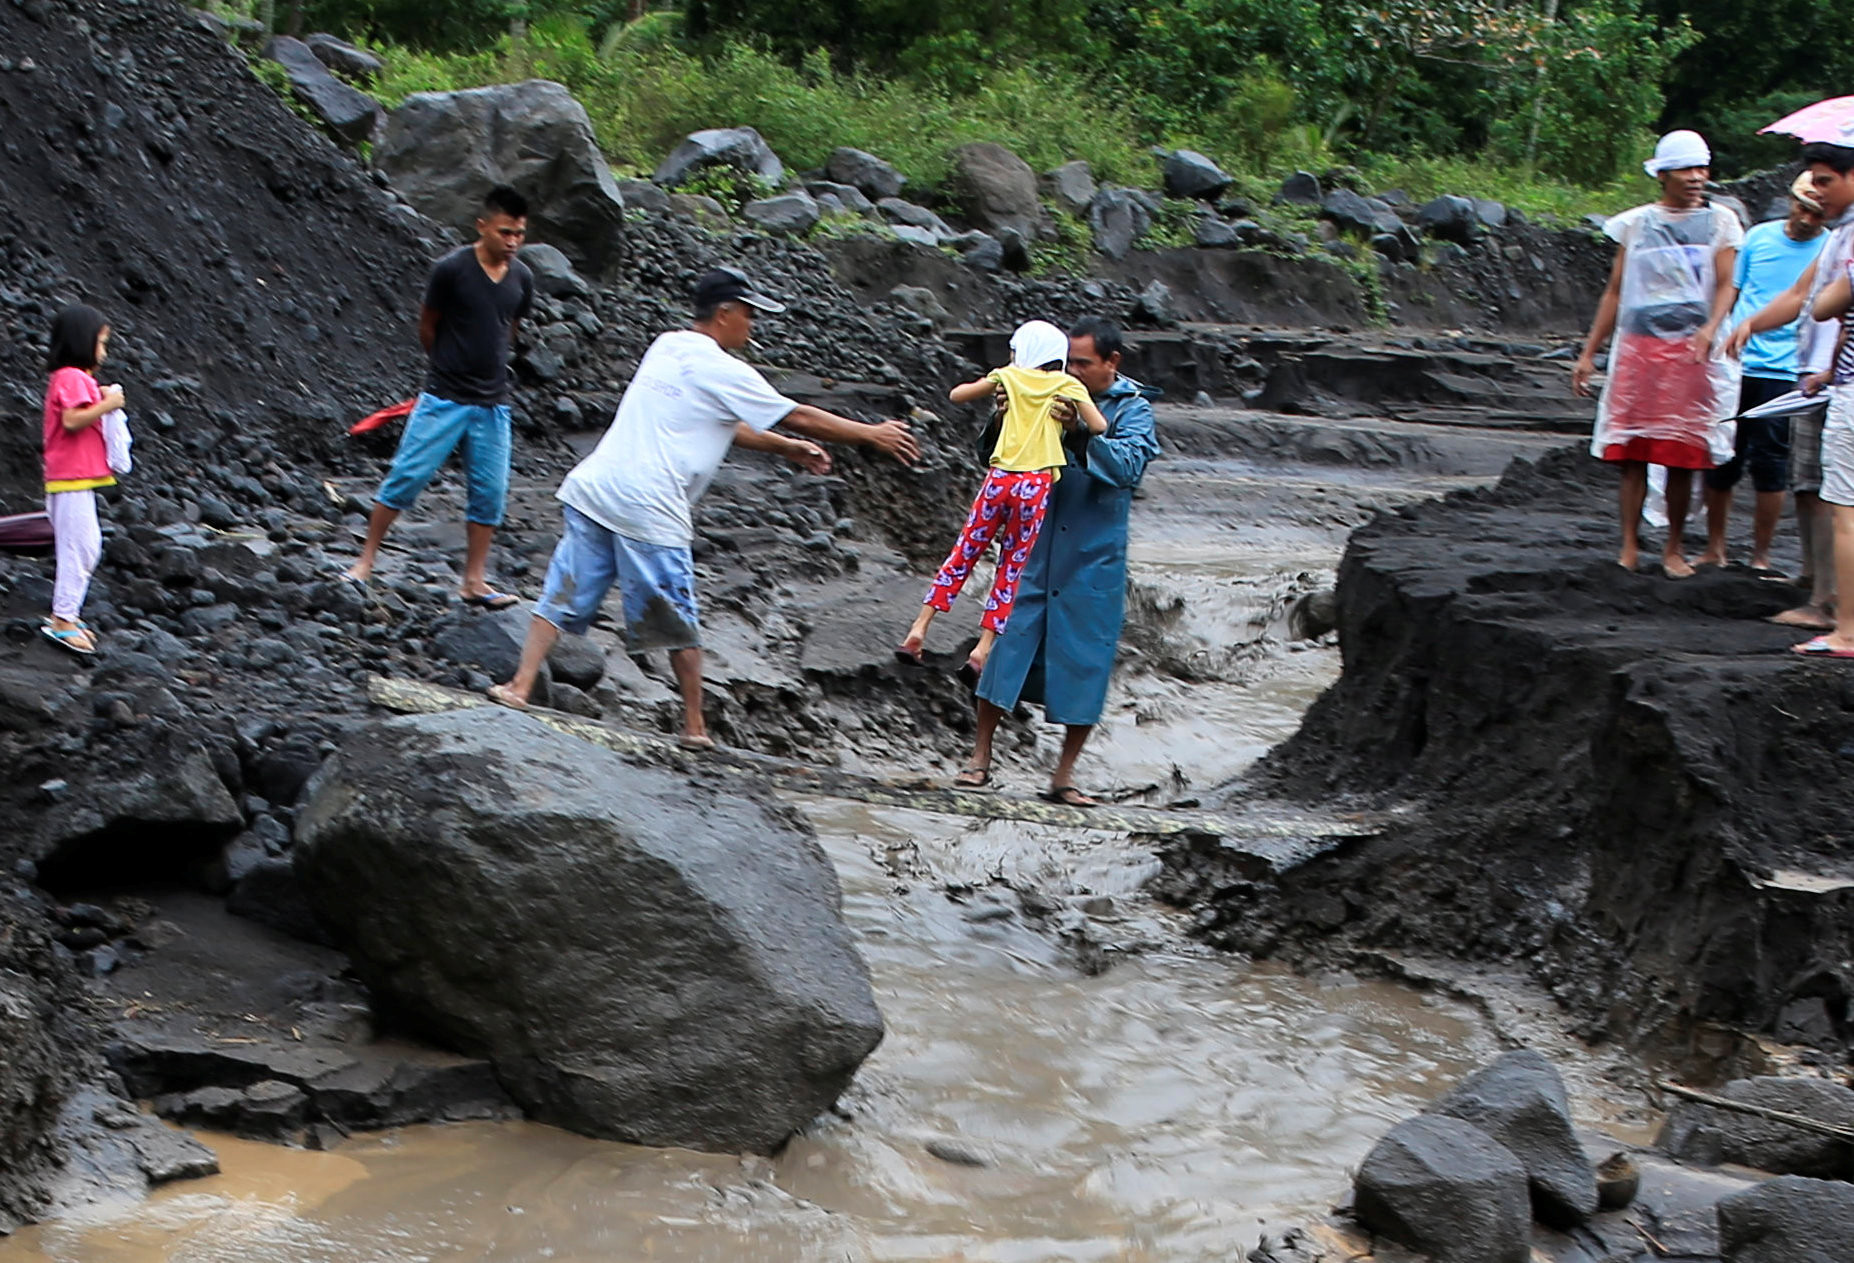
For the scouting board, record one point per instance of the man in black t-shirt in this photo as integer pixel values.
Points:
(473, 299)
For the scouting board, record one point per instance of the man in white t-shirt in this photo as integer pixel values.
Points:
(628, 505)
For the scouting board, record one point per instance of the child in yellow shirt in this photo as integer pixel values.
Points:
(1025, 463)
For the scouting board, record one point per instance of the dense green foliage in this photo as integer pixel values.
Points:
(1542, 97)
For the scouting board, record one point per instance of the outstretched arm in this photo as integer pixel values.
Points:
(973, 391)
(807, 456)
(1779, 311)
(893, 437)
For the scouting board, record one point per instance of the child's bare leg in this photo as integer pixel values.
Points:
(1718, 512)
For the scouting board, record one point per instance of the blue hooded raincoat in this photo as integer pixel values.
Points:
(1059, 647)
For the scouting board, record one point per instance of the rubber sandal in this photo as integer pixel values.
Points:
(693, 741)
(66, 639)
(1067, 796)
(491, 600)
(1820, 648)
(982, 781)
(502, 695)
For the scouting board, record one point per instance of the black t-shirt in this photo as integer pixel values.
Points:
(470, 356)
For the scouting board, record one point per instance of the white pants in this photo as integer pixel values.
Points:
(79, 544)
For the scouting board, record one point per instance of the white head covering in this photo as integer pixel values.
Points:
(1036, 343)
(1678, 150)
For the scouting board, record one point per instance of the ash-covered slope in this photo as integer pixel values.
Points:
(1625, 782)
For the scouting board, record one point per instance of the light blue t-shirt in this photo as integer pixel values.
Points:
(1769, 263)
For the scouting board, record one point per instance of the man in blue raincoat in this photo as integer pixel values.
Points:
(1059, 647)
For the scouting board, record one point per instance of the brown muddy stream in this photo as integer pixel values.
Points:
(1021, 1109)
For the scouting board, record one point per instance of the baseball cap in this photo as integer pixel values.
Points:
(730, 285)
(1803, 190)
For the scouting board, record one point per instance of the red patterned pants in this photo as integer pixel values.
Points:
(1009, 507)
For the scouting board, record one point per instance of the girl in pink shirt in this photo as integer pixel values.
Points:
(76, 464)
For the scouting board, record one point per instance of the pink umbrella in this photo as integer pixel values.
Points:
(1825, 122)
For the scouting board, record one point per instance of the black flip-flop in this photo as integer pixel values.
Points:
(491, 600)
(1066, 795)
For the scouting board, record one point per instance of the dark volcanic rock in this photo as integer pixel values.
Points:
(1300, 189)
(1519, 1100)
(1117, 219)
(1451, 218)
(1701, 1133)
(795, 212)
(876, 178)
(1190, 175)
(1788, 1220)
(681, 973)
(1070, 186)
(1444, 1187)
(343, 58)
(739, 147)
(345, 110)
(445, 150)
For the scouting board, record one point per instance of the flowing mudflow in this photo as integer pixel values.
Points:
(1066, 1074)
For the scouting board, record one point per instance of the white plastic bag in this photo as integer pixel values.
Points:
(117, 441)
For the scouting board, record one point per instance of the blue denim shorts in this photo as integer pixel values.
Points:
(655, 583)
(432, 433)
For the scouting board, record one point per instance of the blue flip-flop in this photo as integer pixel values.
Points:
(491, 600)
(66, 639)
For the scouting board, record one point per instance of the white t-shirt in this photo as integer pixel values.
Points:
(672, 431)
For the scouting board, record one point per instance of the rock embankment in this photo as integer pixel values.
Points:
(1627, 785)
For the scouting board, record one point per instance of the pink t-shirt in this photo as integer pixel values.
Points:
(73, 456)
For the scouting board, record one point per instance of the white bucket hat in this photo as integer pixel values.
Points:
(1036, 343)
(1677, 151)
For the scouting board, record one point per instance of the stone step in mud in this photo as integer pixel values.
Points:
(1261, 834)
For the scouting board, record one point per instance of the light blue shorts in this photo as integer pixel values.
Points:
(432, 433)
(655, 583)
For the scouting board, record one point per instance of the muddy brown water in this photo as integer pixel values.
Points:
(1021, 1109)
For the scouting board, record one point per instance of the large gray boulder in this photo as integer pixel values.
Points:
(1448, 1189)
(1117, 219)
(444, 150)
(996, 189)
(876, 178)
(1070, 186)
(739, 147)
(1703, 1134)
(356, 64)
(1300, 189)
(1190, 175)
(642, 957)
(1788, 1220)
(1365, 215)
(848, 196)
(553, 272)
(789, 213)
(347, 112)
(1520, 1101)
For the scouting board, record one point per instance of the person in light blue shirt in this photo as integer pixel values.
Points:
(1775, 253)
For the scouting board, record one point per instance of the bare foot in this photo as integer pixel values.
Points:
(695, 741)
(1677, 567)
(1711, 557)
(1809, 617)
(1629, 560)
